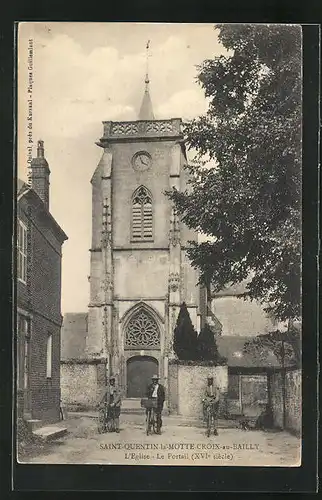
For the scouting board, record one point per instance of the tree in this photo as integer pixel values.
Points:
(185, 336)
(207, 345)
(285, 345)
(249, 203)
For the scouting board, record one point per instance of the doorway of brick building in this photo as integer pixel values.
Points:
(24, 328)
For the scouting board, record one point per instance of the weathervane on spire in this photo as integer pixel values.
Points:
(147, 81)
(146, 110)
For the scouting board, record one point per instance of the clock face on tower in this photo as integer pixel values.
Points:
(141, 161)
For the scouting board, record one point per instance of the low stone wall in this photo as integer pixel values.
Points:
(277, 399)
(187, 385)
(293, 400)
(78, 385)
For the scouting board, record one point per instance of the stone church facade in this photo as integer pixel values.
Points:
(139, 271)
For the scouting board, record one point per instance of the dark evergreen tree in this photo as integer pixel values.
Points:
(185, 336)
(207, 346)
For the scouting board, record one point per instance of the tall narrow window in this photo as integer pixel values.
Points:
(22, 252)
(142, 217)
(49, 355)
(26, 364)
(23, 351)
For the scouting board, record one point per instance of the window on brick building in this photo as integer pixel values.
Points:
(142, 215)
(23, 364)
(49, 364)
(22, 252)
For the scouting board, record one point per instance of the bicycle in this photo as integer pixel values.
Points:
(211, 408)
(110, 419)
(106, 419)
(150, 406)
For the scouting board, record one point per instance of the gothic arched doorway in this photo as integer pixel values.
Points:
(139, 373)
(142, 333)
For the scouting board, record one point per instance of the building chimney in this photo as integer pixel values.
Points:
(40, 174)
(40, 149)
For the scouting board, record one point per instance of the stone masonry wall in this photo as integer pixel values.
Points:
(77, 382)
(293, 401)
(187, 385)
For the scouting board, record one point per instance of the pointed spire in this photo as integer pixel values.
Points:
(146, 110)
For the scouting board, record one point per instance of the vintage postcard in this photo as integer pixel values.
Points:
(159, 244)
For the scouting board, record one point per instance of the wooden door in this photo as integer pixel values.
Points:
(139, 374)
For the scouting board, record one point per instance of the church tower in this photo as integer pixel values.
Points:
(139, 271)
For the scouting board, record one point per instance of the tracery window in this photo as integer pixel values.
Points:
(142, 216)
(142, 332)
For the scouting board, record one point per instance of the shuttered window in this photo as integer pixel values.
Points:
(142, 215)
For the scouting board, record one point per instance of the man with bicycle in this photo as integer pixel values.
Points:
(211, 404)
(156, 391)
(110, 408)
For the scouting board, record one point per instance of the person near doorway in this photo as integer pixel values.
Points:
(62, 415)
(157, 391)
(211, 401)
(265, 420)
(110, 404)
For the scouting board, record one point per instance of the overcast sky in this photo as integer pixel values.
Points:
(85, 73)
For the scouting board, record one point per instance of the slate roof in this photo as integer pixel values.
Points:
(21, 185)
(236, 289)
(231, 347)
(73, 336)
(23, 190)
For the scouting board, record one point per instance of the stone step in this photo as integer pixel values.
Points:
(133, 406)
(176, 420)
(199, 422)
(33, 424)
(50, 432)
(131, 403)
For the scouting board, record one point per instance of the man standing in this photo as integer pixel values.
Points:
(211, 401)
(111, 405)
(156, 391)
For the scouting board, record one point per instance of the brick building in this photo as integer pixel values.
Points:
(39, 318)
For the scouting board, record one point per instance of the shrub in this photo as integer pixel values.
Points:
(185, 336)
(207, 346)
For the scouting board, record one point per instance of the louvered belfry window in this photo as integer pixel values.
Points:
(142, 217)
